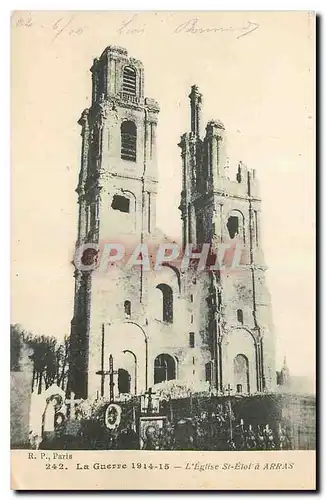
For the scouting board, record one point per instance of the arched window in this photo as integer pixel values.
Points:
(191, 339)
(123, 381)
(164, 368)
(235, 225)
(128, 141)
(127, 308)
(208, 372)
(240, 316)
(241, 373)
(200, 228)
(167, 302)
(129, 80)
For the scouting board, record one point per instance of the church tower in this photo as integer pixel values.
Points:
(132, 329)
(117, 198)
(225, 212)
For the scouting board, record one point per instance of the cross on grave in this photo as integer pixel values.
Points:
(228, 390)
(149, 393)
(111, 374)
(102, 372)
(72, 402)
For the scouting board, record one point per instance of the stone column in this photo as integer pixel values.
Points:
(220, 232)
(151, 113)
(258, 366)
(152, 144)
(212, 151)
(216, 149)
(184, 199)
(214, 156)
(82, 223)
(195, 107)
(83, 121)
(78, 277)
(94, 81)
(112, 76)
(257, 227)
(103, 152)
(192, 224)
(147, 142)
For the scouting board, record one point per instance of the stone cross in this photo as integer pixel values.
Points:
(71, 403)
(228, 390)
(149, 393)
(111, 374)
(102, 372)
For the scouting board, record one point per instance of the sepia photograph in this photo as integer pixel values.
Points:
(163, 241)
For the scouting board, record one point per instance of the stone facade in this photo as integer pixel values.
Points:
(212, 326)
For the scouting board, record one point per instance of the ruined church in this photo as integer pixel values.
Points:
(210, 328)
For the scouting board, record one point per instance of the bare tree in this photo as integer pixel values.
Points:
(49, 357)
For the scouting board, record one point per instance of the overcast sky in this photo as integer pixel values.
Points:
(260, 84)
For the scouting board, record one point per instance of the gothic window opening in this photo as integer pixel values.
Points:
(164, 368)
(123, 381)
(200, 229)
(241, 373)
(127, 308)
(121, 203)
(128, 141)
(236, 225)
(167, 302)
(233, 226)
(208, 372)
(240, 316)
(96, 144)
(129, 80)
(239, 388)
(191, 339)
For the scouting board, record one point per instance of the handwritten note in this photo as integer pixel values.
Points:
(194, 27)
(61, 26)
(133, 25)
